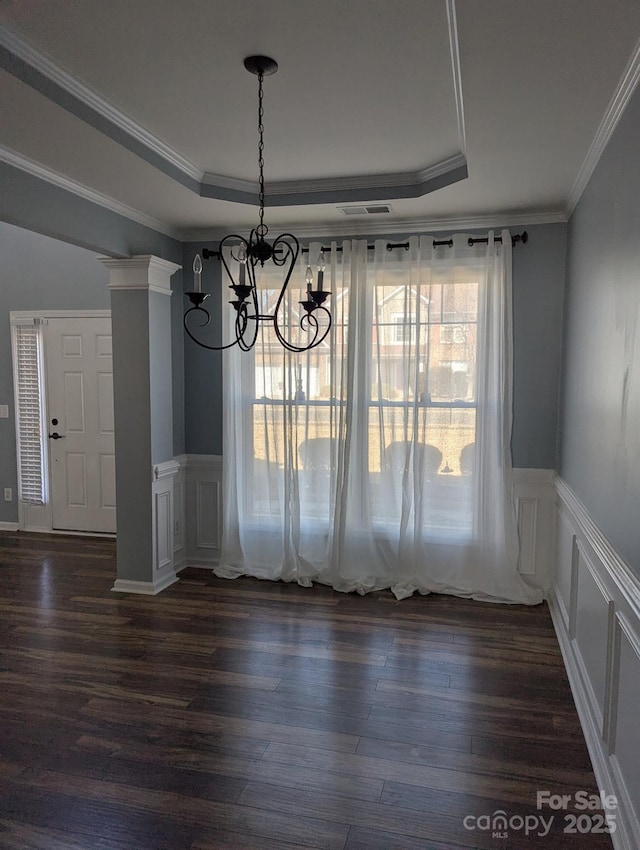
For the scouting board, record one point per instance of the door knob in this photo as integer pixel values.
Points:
(56, 436)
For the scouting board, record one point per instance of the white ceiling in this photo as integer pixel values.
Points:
(371, 97)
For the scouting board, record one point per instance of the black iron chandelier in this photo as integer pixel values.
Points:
(314, 318)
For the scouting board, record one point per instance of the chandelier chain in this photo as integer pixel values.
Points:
(261, 150)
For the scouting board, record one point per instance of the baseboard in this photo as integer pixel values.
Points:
(147, 588)
(105, 535)
(200, 565)
(597, 621)
(9, 526)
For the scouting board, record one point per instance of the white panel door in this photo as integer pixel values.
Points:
(80, 424)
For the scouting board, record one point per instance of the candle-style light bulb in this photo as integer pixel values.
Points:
(309, 278)
(197, 272)
(242, 261)
(320, 269)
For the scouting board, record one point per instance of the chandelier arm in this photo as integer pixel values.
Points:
(285, 342)
(313, 316)
(288, 248)
(312, 323)
(203, 325)
(242, 321)
(291, 251)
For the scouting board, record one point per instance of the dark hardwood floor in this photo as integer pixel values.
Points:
(259, 716)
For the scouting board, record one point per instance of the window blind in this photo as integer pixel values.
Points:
(29, 414)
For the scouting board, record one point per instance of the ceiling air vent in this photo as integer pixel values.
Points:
(372, 209)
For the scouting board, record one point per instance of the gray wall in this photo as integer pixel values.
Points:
(131, 371)
(600, 412)
(539, 269)
(160, 366)
(538, 292)
(203, 368)
(37, 273)
(49, 261)
(36, 205)
(197, 373)
(43, 208)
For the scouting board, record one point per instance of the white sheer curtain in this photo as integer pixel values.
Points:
(381, 459)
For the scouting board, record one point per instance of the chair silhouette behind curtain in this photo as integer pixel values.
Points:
(314, 454)
(467, 459)
(397, 453)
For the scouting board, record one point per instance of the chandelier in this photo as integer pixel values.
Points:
(245, 254)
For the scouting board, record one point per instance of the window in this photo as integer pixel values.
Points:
(404, 328)
(389, 470)
(27, 354)
(296, 391)
(422, 351)
(425, 397)
(453, 334)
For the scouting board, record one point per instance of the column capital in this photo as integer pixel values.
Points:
(144, 271)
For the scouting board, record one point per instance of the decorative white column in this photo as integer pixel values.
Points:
(142, 397)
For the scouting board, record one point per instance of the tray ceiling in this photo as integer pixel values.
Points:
(148, 104)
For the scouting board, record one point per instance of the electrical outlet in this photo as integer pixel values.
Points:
(8, 494)
(4, 411)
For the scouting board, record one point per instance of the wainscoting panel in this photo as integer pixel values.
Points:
(624, 740)
(163, 530)
(527, 522)
(564, 543)
(179, 525)
(163, 521)
(203, 499)
(593, 610)
(208, 499)
(595, 605)
(535, 496)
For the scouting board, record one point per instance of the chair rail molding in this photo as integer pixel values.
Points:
(595, 606)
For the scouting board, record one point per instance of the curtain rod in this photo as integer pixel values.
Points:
(437, 243)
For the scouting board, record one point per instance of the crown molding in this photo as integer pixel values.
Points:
(235, 184)
(58, 85)
(347, 228)
(79, 91)
(144, 271)
(612, 115)
(454, 45)
(367, 181)
(334, 190)
(368, 227)
(36, 169)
